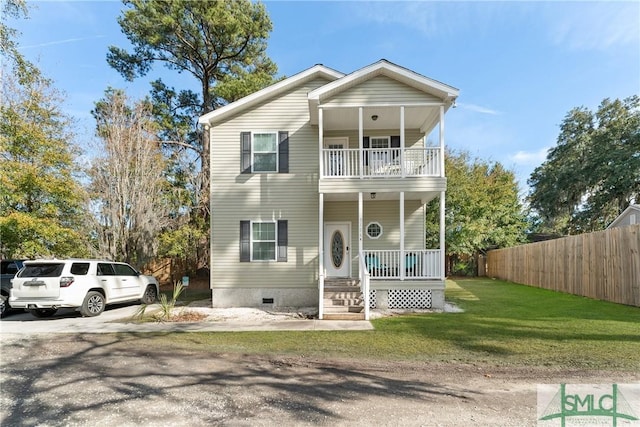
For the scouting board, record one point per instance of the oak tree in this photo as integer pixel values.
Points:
(593, 173)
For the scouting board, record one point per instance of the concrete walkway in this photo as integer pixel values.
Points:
(114, 319)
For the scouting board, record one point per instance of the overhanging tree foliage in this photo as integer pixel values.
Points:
(222, 44)
(593, 173)
(482, 208)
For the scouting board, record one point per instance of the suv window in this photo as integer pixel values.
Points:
(124, 270)
(80, 268)
(105, 269)
(42, 270)
(10, 267)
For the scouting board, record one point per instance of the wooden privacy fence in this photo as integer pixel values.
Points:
(603, 265)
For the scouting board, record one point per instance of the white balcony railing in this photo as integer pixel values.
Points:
(380, 162)
(389, 264)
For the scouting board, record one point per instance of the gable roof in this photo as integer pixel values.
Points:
(275, 89)
(338, 82)
(630, 208)
(385, 68)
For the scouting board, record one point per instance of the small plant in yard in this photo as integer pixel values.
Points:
(167, 305)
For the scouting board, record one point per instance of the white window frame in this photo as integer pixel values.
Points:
(387, 138)
(254, 152)
(367, 230)
(252, 241)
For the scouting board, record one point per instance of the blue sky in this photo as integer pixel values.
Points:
(520, 66)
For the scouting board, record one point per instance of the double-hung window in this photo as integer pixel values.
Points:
(263, 241)
(264, 151)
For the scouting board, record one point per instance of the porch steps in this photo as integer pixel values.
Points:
(343, 299)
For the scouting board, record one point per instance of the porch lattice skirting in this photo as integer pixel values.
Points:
(404, 298)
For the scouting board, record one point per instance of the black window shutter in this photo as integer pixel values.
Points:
(245, 241)
(365, 144)
(245, 152)
(283, 240)
(395, 143)
(283, 152)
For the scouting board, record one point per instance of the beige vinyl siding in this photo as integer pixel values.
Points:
(381, 90)
(266, 196)
(387, 213)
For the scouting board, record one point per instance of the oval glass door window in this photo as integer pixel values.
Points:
(337, 249)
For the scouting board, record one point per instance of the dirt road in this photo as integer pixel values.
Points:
(108, 380)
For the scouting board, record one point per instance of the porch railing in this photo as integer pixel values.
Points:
(416, 264)
(364, 285)
(381, 162)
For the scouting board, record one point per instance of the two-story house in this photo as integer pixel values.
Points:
(318, 190)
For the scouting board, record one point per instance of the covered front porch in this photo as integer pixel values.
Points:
(372, 252)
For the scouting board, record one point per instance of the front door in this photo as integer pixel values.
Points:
(337, 242)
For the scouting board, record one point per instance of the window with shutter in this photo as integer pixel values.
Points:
(263, 241)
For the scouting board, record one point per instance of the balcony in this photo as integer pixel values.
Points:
(381, 162)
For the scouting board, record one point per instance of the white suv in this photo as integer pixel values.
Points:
(43, 286)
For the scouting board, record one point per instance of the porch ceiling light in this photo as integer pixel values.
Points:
(374, 118)
(373, 195)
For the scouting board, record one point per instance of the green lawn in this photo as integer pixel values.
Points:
(503, 324)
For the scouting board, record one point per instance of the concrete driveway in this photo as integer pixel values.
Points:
(117, 318)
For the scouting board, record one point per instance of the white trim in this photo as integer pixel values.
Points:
(402, 230)
(270, 91)
(442, 236)
(391, 70)
(277, 151)
(381, 105)
(367, 230)
(321, 272)
(620, 217)
(275, 252)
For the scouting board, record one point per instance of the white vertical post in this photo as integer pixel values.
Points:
(442, 141)
(402, 163)
(360, 221)
(402, 260)
(321, 141)
(360, 143)
(320, 255)
(442, 243)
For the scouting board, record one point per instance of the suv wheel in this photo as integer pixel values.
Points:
(42, 313)
(93, 304)
(150, 295)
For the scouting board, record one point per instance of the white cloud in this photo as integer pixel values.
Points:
(530, 157)
(597, 25)
(478, 108)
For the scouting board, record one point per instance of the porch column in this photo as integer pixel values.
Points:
(402, 163)
(321, 141)
(360, 144)
(360, 221)
(442, 243)
(320, 255)
(402, 260)
(442, 141)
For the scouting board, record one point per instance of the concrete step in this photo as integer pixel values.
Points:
(342, 295)
(343, 316)
(329, 302)
(342, 282)
(344, 309)
(342, 288)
